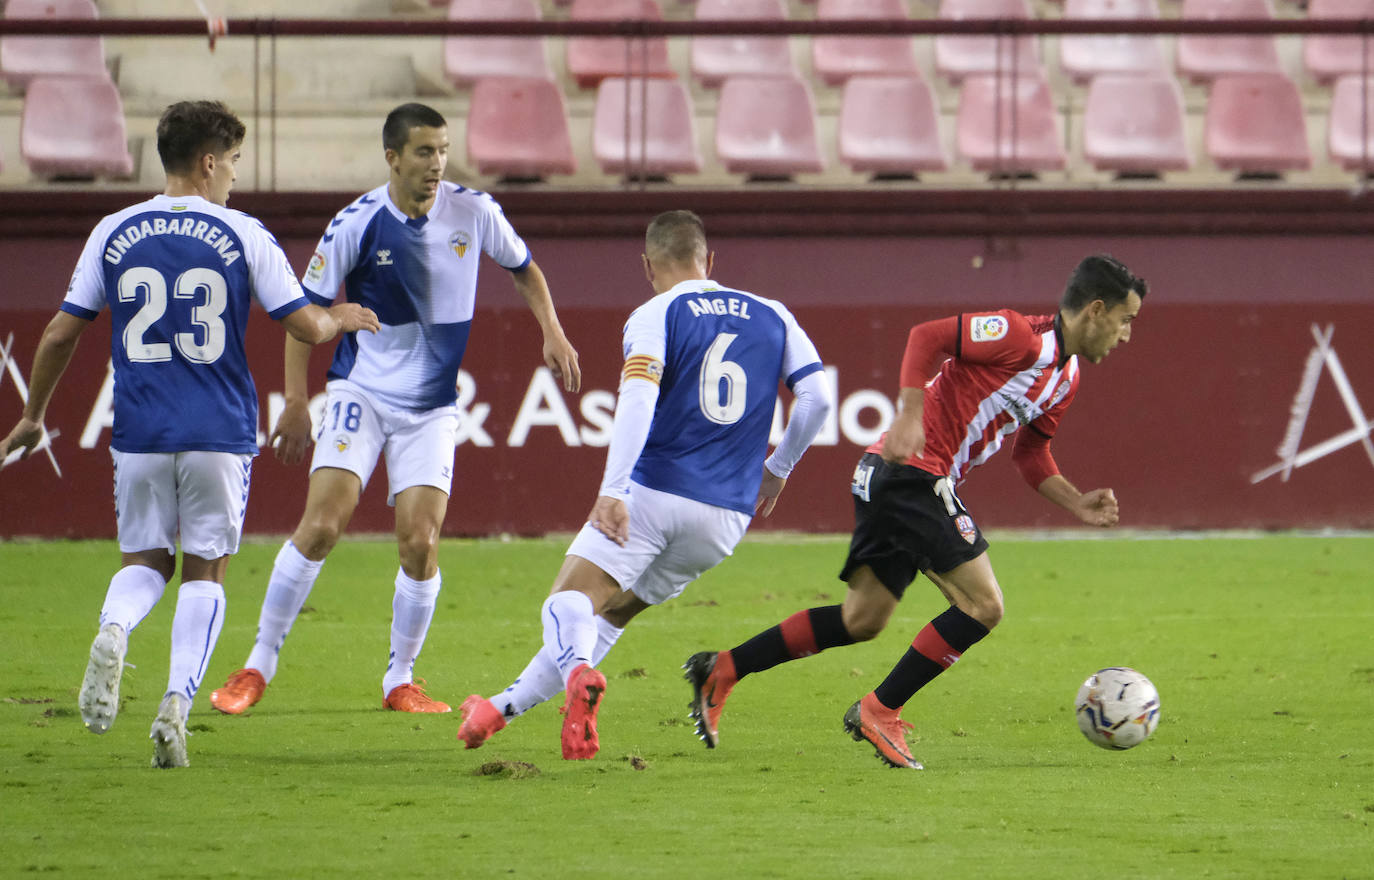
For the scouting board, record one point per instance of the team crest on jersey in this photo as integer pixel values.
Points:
(1059, 392)
(987, 328)
(314, 273)
(964, 523)
(459, 242)
(342, 443)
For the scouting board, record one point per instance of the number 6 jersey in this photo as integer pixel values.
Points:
(178, 274)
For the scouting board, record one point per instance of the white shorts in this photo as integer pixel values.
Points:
(673, 540)
(201, 496)
(356, 429)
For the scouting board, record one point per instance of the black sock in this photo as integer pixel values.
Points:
(936, 648)
(801, 635)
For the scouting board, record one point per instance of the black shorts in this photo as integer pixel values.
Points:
(907, 521)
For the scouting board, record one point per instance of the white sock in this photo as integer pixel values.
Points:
(195, 629)
(569, 630)
(293, 576)
(606, 635)
(539, 682)
(412, 608)
(133, 592)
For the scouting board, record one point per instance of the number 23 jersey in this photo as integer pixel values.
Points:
(179, 275)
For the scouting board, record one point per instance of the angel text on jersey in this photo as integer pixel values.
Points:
(206, 232)
(701, 305)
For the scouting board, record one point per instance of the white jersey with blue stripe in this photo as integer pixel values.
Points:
(420, 276)
(724, 352)
(179, 274)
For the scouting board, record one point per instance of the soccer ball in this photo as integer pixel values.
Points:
(1117, 708)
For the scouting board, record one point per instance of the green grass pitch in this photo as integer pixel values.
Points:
(1263, 764)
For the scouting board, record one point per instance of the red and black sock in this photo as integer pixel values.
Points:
(801, 635)
(936, 648)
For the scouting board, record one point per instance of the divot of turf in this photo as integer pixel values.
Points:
(507, 770)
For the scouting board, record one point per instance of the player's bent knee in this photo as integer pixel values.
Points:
(988, 613)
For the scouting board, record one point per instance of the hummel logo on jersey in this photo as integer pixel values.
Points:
(384, 257)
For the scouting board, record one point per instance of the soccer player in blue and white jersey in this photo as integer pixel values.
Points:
(179, 273)
(686, 470)
(409, 249)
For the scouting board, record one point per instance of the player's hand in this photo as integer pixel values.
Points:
(561, 359)
(769, 490)
(291, 437)
(25, 437)
(611, 518)
(353, 317)
(906, 438)
(1098, 508)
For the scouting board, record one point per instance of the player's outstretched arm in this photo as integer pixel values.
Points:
(55, 351)
(559, 354)
(316, 324)
(1095, 508)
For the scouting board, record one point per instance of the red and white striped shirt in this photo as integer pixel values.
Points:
(1004, 371)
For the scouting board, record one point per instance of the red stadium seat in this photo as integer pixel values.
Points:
(592, 59)
(715, 58)
(889, 125)
(1350, 125)
(1202, 58)
(1008, 126)
(835, 59)
(1255, 125)
(518, 129)
(23, 57)
(1083, 56)
(958, 57)
(73, 126)
(1327, 56)
(1134, 125)
(625, 141)
(766, 127)
(467, 59)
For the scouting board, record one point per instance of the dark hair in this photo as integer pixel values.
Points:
(399, 122)
(190, 129)
(675, 236)
(1100, 277)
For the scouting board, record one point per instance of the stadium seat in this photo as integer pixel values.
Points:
(766, 127)
(518, 129)
(715, 58)
(1255, 125)
(467, 59)
(1134, 125)
(1008, 126)
(24, 57)
(592, 59)
(1203, 58)
(1327, 56)
(625, 141)
(958, 57)
(889, 125)
(1083, 56)
(835, 59)
(1350, 125)
(73, 126)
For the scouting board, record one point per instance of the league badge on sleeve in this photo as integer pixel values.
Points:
(987, 328)
(314, 273)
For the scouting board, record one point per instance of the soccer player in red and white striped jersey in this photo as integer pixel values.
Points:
(968, 382)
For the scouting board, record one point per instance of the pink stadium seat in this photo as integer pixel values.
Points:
(1255, 124)
(73, 126)
(1327, 56)
(592, 59)
(1083, 56)
(518, 128)
(1134, 125)
(889, 125)
(625, 141)
(766, 127)
(835, 59)
(1203, 58)
(470, 58)
(1350, 125)
(958, 57)
(22, 57)
(715, 58)
(1008, 127)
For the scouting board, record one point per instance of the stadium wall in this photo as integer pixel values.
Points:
(1228, 409)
